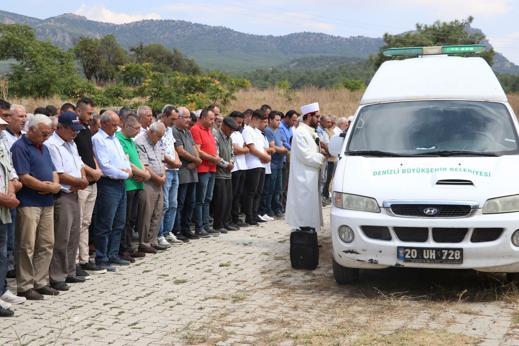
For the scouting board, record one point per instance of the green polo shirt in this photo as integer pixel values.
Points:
(131, 150)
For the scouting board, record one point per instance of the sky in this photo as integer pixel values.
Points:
(372, 18)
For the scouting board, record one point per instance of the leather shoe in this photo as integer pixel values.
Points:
(47, 291)
(221, 230)
(60, 286)
(232, 228)
(30, 294)
(182, 237)
(74, 279)
(6, 312)
(202, 234)
(137, 254)
(240, 223)
(160, 247)
(146, 249)
(190, 235)
(127, 257)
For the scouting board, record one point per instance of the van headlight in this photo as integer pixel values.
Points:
(355, 202)
(507, 204)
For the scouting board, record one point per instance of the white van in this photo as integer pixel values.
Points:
(428, 174)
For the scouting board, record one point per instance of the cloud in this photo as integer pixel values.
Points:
(102, 14)
(456, 8)
(256, 15)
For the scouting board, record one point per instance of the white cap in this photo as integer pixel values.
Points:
(350, 118)
(312, 107)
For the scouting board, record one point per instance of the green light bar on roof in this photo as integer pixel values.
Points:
(434, 50)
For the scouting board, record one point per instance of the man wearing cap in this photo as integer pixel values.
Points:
(72, 177)
(222, 199)
(303, 200)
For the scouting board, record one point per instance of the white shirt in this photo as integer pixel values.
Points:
(266, 165)
(167, 143)
(110, 155)
(65, 157)
(253, 136)
(240, 163)
(336, 131)
(11, 138)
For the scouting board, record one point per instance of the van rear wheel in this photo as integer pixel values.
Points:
(344, 275)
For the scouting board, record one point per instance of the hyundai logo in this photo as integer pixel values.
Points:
(430, 211)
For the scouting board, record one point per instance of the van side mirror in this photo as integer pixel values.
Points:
(335, 146)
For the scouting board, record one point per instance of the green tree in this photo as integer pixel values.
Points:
(439, 33)
(41, 69)
(164, 60)
(86, 51)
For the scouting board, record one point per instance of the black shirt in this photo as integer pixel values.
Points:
(84, 147)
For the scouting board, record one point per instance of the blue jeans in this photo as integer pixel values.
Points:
(186, 204)
(170, 189)
(110, 219)
(3, 257)
(204, 196)
(276, 181)
(11, 232)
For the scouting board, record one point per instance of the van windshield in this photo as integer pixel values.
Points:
(433, 128)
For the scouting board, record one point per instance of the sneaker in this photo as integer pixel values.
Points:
(10, 297)
(6, 312)
(30, 294)
(107, 267)
(47, 291)
(4, 304)
(163, 242)
(119, 261)
(172, 239)
(74, 279)
(81, 273)
(202, 234)
(159, 247)
(266, 217)
(260, 218)
(92, 268)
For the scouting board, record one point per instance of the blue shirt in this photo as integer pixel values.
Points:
(277, 137)
(37, 162)
(287, 133)
(110, 155)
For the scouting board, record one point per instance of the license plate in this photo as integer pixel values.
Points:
(429, 255)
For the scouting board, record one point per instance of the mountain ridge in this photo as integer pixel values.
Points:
(213, 47)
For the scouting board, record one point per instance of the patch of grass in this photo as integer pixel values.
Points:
(515, 317)
(419, 337)
(179, 281)
(146, 271)
(225, 264)
(238, 297)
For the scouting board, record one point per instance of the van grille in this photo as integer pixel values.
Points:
(439, 235)
(438, 210)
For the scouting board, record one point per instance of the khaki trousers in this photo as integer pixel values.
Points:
(87, 201)
(150, 213)
(34, 244)
(66, 237)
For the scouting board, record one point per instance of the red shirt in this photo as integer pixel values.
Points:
(204, 138)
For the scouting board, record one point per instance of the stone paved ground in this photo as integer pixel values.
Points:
(239, 289)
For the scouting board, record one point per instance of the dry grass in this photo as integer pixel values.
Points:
(341, 102)
(332, 101)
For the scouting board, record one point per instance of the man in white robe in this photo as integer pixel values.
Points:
(303, 208)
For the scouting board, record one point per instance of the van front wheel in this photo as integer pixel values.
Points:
(344, 275)
(512, 277)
